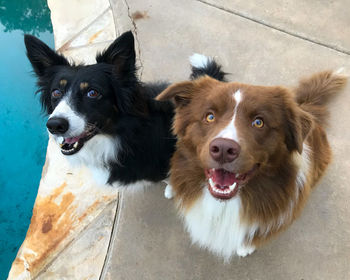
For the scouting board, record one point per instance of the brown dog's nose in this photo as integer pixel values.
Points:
(224, 150)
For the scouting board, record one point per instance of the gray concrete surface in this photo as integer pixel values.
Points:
(150, 242)
(320, 21)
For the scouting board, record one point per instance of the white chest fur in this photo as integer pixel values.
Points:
(216, 225)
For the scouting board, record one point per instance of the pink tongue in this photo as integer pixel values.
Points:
(223, 178)
(71, 140)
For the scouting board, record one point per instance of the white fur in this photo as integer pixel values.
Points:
(303, 164)
(169, 192)
(199, 60)
(77, 123)
(230, 131)
(95, 154)
(238, 97)
(216, 225)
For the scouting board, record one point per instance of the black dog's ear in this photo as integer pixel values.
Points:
(121, 53)
(42, 56)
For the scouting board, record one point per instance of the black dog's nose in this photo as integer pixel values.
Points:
(224, 150)
(57, 125)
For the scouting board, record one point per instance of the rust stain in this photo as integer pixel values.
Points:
(53, 219)
(140, 15)
(89, 210)
(58, 191)
(93, 37)
(47, 225)
(64, 47)
(50, 224)
(100, 238)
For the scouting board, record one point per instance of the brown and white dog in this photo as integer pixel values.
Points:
(247, 156)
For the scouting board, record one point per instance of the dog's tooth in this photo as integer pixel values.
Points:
(237, 175)
(232, 187)
(211, 182)
(217, 190)
(75, 145)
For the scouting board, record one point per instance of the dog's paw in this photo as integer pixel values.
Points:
(168, 192)
(244, 251)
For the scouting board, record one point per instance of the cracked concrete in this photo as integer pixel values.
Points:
(137, 40)
(124, 22)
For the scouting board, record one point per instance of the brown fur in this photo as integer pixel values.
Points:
(292, 117)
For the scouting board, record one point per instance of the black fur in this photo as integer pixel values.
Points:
(212, 69)
(125, 109)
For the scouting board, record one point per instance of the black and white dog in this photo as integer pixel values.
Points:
(102, 116)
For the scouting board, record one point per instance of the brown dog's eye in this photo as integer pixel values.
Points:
(258, 123)
(210, 117)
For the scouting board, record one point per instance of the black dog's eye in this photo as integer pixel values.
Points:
(56, 93)
(92, 93)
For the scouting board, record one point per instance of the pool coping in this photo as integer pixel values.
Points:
(73, 222)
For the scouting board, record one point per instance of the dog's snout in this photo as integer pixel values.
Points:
(224, 150)
(57, 125)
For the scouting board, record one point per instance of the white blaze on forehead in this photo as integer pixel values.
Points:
(76, 122)
(230, 131)
(238, 97)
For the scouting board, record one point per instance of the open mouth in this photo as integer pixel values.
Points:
(72, 145)
(224, 184)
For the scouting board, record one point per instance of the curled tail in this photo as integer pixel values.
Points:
(203, 65)
(314, 93)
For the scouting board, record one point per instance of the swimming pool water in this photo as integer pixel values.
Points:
(23, 137)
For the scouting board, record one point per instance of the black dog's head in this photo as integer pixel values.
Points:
(85, 102)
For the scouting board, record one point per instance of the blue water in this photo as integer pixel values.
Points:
(23, 137)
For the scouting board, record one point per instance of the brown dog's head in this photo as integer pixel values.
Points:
(236, 131)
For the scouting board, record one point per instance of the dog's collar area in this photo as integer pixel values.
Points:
(223, 184)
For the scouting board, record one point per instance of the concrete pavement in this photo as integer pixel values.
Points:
(260, 44)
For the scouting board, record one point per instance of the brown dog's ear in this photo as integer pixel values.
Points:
(181, 93)
(299, 124)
